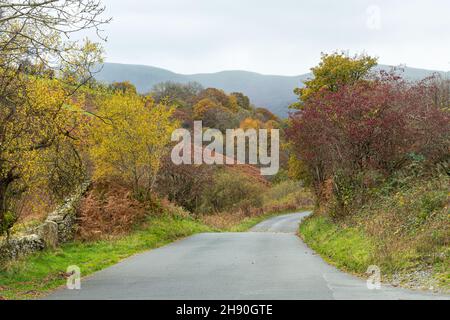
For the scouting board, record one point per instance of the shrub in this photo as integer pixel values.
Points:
(282, 189)
(184, 184)
(231, 192)
(287, 195)
(109, 209)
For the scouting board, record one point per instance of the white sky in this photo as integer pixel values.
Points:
(282, 37)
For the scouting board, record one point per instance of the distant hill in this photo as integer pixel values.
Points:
(270, 91)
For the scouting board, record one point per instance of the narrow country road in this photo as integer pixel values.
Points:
(270, 262)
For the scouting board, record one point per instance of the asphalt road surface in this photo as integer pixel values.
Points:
(270, 262)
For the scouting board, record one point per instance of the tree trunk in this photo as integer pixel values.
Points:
(4, 185)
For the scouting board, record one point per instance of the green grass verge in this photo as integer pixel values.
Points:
(348, 249)
(36, 274)
(351, 250)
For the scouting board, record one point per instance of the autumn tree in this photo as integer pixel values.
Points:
(242, 100)
(249, 123)
(38, 115)
(36, 142)
(266, 115)
(214, 115)
(233, 103)
(177, 94)
(79, 65)
(334, 70)
(220, 97)
(124, 87)
(201, 107)
(39, 31)
(129, 138)
(439, 91)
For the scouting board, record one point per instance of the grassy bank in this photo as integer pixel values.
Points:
(346, 248)
(404, 231)
(33, 276)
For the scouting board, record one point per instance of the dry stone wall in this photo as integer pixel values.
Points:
(59, 227)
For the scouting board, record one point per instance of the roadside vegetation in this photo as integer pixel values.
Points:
(347, 248)
(375, 150)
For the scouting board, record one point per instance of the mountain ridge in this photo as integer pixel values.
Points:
(274, 92)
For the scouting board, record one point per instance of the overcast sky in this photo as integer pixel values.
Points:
(282, 37)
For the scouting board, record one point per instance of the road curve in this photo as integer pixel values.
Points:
(269, 262)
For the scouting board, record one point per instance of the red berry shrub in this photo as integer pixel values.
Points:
(367, 131)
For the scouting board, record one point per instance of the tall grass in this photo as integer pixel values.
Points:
(402, 230)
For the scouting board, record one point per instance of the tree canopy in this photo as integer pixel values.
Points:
(334, 70)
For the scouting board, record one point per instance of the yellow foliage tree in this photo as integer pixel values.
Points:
(129, 138)
(233, 103)
(334, 70)
(39, 119)
(37, 122)
(250, 123)
(203, 106)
